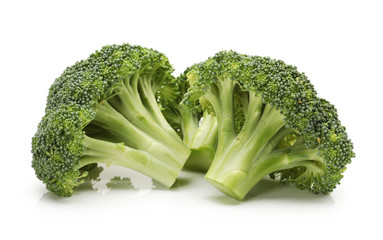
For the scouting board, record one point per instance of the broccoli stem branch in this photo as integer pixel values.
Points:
(237, 183)
(130, 106)
(272, 144)
(226, 115)
(189, 124)
(240, 154)
(166, 148)
(111, 120)
(221, 97)
(206, 133)
(253, 115)
(296, 156)
(99, 151)
(232, 170)
(149, 100)
(203, 144)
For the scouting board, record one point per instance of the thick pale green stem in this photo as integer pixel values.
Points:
(206, 133)
(114, 122)
(99, 151)
(152, 146)
(243, 159)
(203, 144)
(226, 120)
(189, 124)
(127, 104)
(268, 126)
(220, 97)
(149, 100)
(276, 161)
(232, 168)
(280, 160)
(271, 145)
(167, 149)
(253, 114)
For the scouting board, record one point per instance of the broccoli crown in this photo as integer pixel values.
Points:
(290, 92)
(72, 102)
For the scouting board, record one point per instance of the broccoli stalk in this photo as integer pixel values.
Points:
(99, 151)
(235, 167)
(201, 138)
(199, 130)
(106, 109)
(270, 122)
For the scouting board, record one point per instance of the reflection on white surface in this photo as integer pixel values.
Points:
(119, 178)
(119, 183)
(105, 179)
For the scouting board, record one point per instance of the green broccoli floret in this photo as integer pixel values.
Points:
(270, 122)
(197, 128)
(105, 109)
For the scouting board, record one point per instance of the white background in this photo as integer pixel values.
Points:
(338, 44)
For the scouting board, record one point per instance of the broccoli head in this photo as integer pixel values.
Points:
(105, 109)
(270, 122)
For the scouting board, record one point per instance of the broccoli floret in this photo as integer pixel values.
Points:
(105, 109)
(197, 128)
(270, 122)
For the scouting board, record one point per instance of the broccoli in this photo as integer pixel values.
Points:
(270, 122)
(106, 109)
(197, 128)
